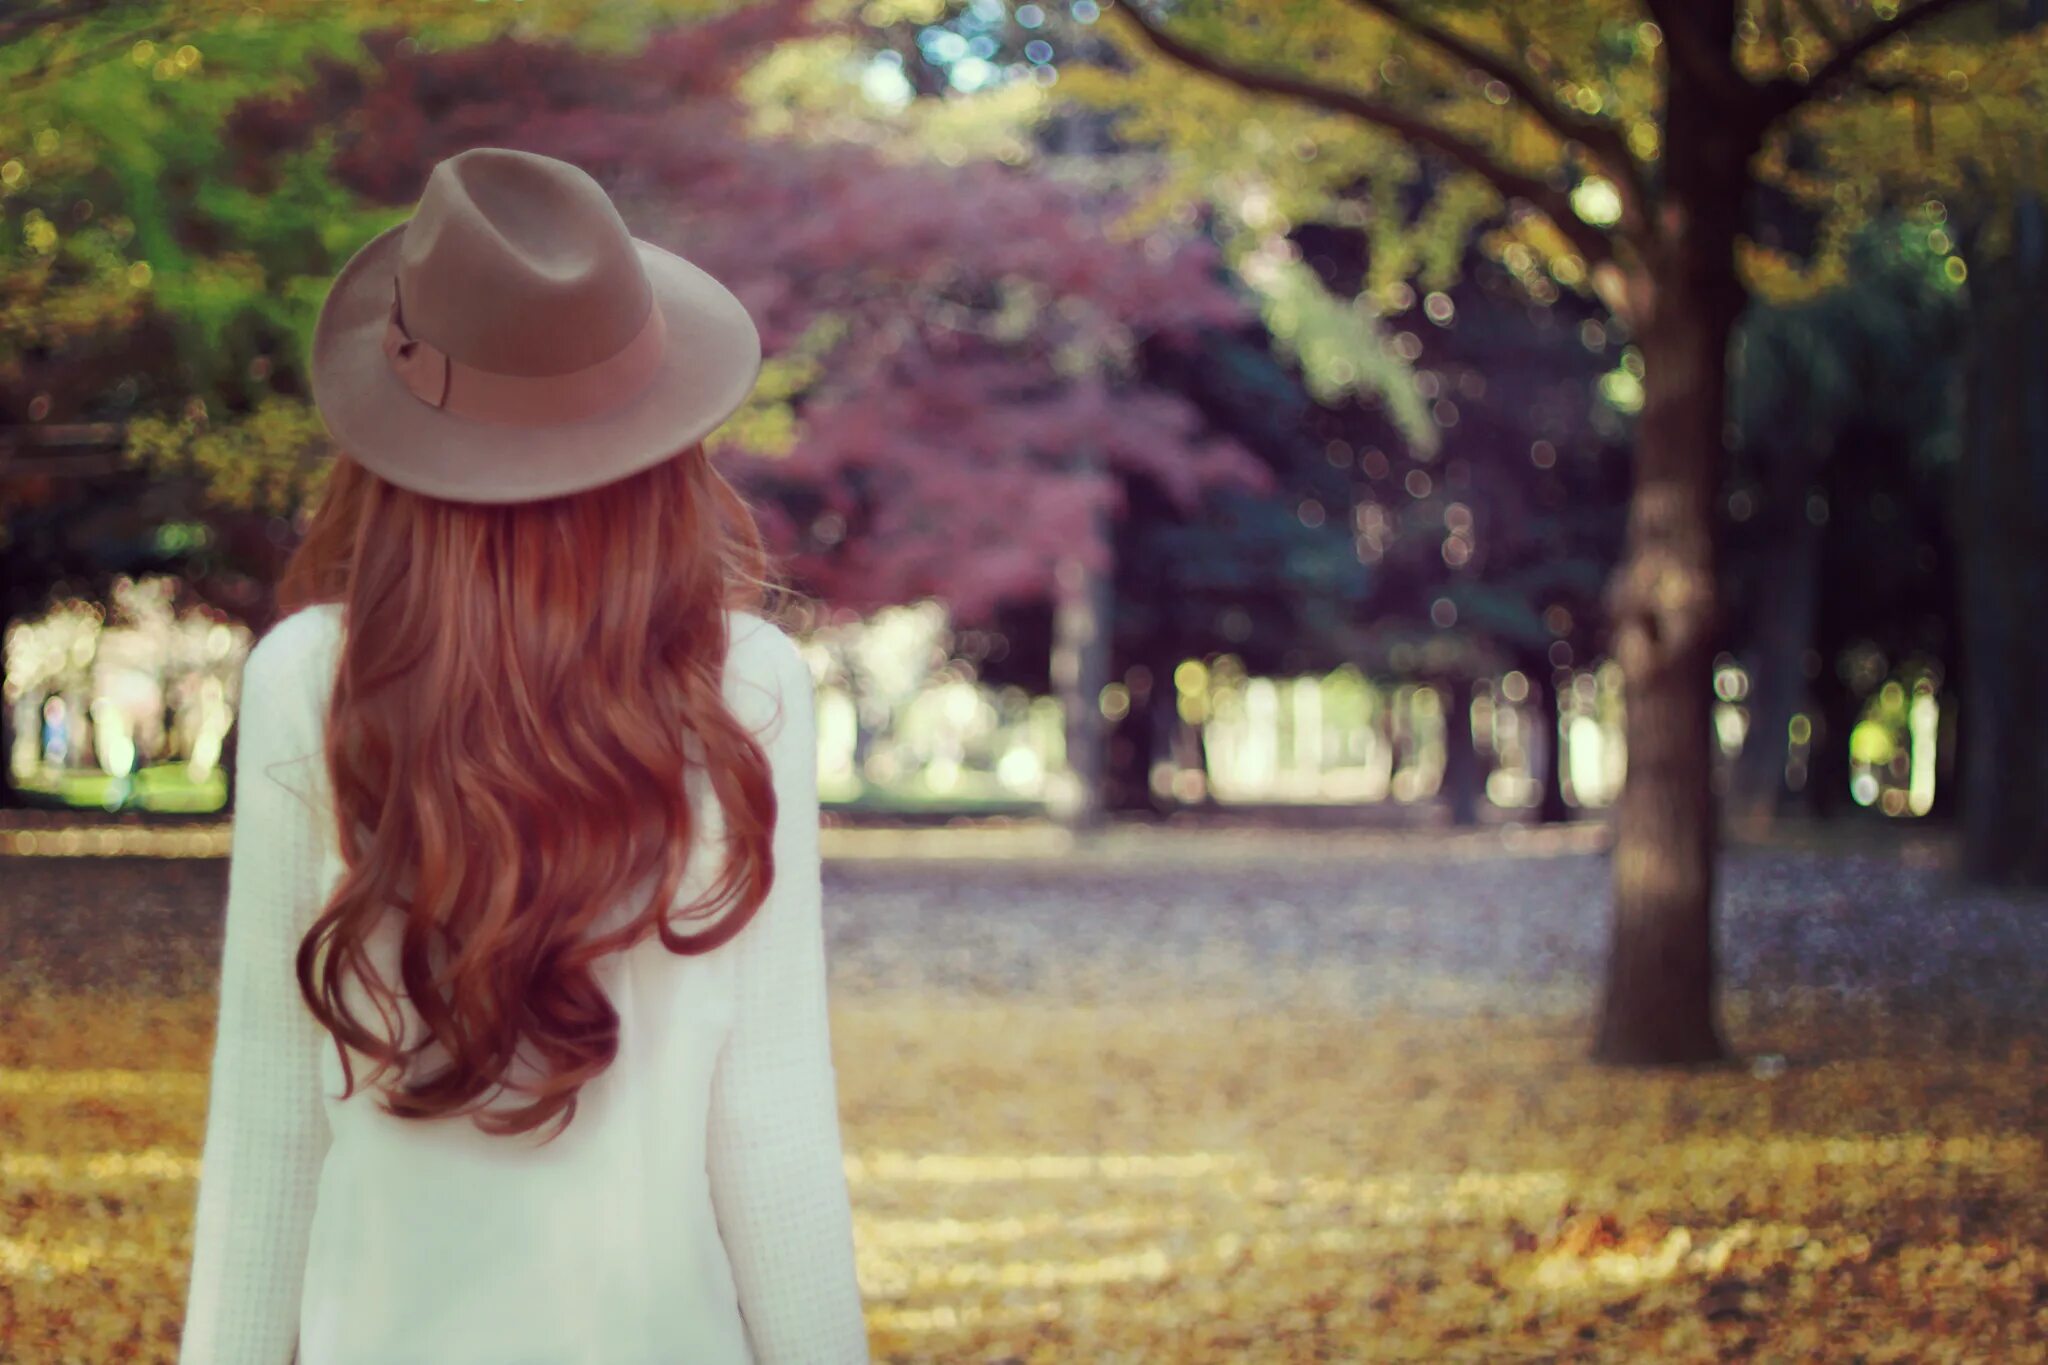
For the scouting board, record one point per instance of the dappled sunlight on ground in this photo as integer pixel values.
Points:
(1199, 1182)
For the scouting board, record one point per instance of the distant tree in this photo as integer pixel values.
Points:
(2001, 524)
(1844, 417)
(948, 406)
(1492, 543)
(1269, 575)
(1316, 571)
(1350, 553)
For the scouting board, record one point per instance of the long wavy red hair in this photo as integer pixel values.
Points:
(520, 692)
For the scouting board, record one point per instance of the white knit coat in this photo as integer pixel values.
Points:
(695, 1212)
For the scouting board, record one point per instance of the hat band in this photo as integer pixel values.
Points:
(522, 399)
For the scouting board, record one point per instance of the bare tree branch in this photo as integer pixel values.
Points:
(1595, 244)
(1822, 23)
(1787, 95)
(1518, 34)
(1781, 26)
(1599, 136)
(13, 26)
(1919, 87)
(49, 67)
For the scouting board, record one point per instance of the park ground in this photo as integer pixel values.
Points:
(1230, 1094)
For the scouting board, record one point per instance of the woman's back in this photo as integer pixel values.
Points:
(694, 1210)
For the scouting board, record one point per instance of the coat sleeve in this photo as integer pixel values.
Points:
(266, 1126)
(776, 1163)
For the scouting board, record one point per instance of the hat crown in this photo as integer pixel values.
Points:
(520, 264)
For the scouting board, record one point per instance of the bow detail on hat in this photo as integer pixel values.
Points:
(420, 366)
(431, 375)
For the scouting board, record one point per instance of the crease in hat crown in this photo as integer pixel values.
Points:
(520, 264)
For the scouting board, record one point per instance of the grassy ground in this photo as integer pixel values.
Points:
(163, 788)
(1273, 1100)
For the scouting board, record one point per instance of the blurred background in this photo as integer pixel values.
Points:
(1456, 556)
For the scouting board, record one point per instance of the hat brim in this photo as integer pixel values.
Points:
(711, 358)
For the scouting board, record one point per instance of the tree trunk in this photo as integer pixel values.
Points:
(1658, 1002)
(2004, 515)
(1144, 737)
(1547, 752)
(863, 727)
(1949, 737)
(1789, 593)
(9, 797)
(1836, 709)
(1126, 783)
(1461, 757)
(1080, 670)
(13, 604)
(1190, 747)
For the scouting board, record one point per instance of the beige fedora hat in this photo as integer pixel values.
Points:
(512, 341)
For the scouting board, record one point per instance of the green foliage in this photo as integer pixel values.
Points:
(1809, 370)
(263, 459)
(768, 425)
(131, 210)
(160, 787)
(1339, 344)
(155, 225)
(1557, 106)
